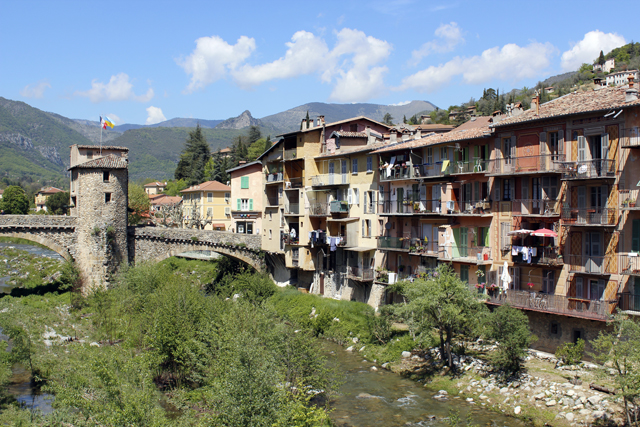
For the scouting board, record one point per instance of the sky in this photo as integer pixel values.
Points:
(147, 61)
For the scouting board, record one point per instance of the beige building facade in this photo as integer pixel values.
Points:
(207, 206)
(247, 192)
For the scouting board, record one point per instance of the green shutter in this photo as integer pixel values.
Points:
(635, 236)
(244, 182)
(250, 204)
(238, 200)
(456, 243)
(487, 242)
(475, 151)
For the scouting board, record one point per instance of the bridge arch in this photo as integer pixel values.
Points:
(57, 248)
(237, 255)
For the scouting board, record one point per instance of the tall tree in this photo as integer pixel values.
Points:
(254, 134)
(601, 59)
(194, 157)
(138, 204)
(14, 201)
(388, 119)
(58, 203)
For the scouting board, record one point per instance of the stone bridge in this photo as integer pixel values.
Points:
(60, 234)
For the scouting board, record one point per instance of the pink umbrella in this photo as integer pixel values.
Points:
(544, 232)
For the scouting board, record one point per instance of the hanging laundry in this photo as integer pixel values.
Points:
(333, 244)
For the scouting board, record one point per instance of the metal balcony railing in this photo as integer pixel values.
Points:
(410, 206)
(630, 138)
(475, 166)
(398, 243)
(422, 247)
(292, 209)
(469, 207)
(544, 256)
(630, 263)
(273, 177)
(288, 240)
(293, 183)
(592, 264)
(628, 199)
(525, 164)
(536, 301)
(399, 171)
(589, 216)
(628, 301)
(328, 179)
(436, 169)
(599, 168)
(290, 154)
(370, 208)
(319, 209)
(361, 274)
(535, 207)
(339, 206)
(468, 253)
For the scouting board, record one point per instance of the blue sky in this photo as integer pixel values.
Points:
(144, 61)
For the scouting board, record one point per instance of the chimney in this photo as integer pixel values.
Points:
(321, 118)
(304, 125)
(393, 137)
(536, 101)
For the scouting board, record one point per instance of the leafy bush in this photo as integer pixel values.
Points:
(510, 328)
(252, 286)
(571, 353)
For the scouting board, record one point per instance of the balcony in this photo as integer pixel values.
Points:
(589, 216)
(421, 247)
(470, 207)
(319, 209)
(292, 241)
(292, 209)
(273, 178)
(526, 164)
(394, 243)
(293, 183)
(409, 206)
(435, 170)
(476, 166)
(338, 241)
(628, 302)
(273, 200)
(291, 154)
(558, 304)
(399, 171)
(361, 274)
(630, 264)
(534, 207)
(339, 206)
(543, 256)
(473, 254)
(599, 168)
(329, 179)
(630, 138)
(628, 199)
(590, 264)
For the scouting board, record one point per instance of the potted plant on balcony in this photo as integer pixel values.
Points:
(625, 203)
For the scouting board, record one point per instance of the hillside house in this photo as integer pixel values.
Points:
(207, 206)
(246, 198)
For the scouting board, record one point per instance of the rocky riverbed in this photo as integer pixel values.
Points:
(25, 266)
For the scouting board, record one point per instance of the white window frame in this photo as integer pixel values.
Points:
(244, 205)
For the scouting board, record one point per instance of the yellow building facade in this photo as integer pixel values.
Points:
(207, 206)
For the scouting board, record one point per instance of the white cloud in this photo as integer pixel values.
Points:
(35, 90)
(116, 119)
(154, 115)
(119, 88)
(588, 49)
(352, 65)
(448, 37)
(213, 58)
(510, 63)
(400, 104)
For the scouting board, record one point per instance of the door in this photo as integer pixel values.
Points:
(400, 200)
(436, 194)
(635, 296)
(548, 281)
(593, 251)
(332, 170)
(249, 228)
(596, 289)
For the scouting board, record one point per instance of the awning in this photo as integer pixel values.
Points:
(519, 232)
(343, 219)
(217, 225)
(360, 249)
(545, 232)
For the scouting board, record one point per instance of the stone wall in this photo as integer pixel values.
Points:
(53, 231)
(156, 244)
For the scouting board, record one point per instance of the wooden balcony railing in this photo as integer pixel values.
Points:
(544, 207)
(589, 216)
(536, 301)
(591, 264)
(525, 164)
(599, 168)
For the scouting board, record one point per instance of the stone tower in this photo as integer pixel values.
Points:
(99, 200)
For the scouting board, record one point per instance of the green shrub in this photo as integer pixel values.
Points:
(510, 328)
(571, 353)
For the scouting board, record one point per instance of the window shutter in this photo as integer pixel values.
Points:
(579, 287)
(487, 242)
(238, 200)
(244, 182)
(582, 146)
(381, 192)
(524, 188)
(582, 197)
(456, 243)
(543, 143)
(635, 236)
(605, 147)
(350, 196)
(560, 141)
(496, 190)
(250, 204)
(513, 146)
(356, 196)
(362, 228)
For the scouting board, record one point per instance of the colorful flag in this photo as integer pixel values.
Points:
(109, 122)
(103, 124)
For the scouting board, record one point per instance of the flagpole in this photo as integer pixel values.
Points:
(101, 135)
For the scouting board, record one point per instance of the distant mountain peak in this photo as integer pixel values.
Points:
(242, 121)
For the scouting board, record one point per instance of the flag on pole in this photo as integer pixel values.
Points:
(103, 124)
(109, 122)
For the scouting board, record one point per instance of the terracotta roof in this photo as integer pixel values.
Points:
(326, 125)
(106, 162)
(257, 162)
(604, 99)
(50, 190)
(226, 150)
(434, 127)
(1, 191)
(207, 186)
(478, 128)
(166, 200)
(156, 184)
(104, 147)
(353, 150)
(347, 134)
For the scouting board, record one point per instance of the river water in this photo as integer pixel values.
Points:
(382, 398)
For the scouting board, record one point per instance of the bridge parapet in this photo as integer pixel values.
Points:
(222, 238)
(38, 221)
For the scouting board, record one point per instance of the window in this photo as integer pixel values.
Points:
(227, 196)
(596, 289)
(554, 328)
(210, 212)
(380, 227)
(105, 176)
(209, 197)
(548, 281)
(270, 234)
(429, 155)
(464, 273)
(89, 154)
(550, 187)
(635, 236)
(579, 287)
(506, 189)
(443, 153)
(245, 204)
(506, 152)
(369, 164)
(107, 197)
(244, 182)
(354, 166)
(553, 143)
(353, 128)
(366, 228)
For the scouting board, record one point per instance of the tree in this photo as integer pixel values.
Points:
(254, 134)
(255, 149)
(138, 204)
(441, 301)
(193, 158)
(58, 203)
(601, 59)
(388, 119)
(14, 201)
(620, 349)
(404, 119)
(510, 328)
(175, 187)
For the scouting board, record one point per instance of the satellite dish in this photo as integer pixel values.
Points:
(387, 226)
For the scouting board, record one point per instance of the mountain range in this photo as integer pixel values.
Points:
(34, 144)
